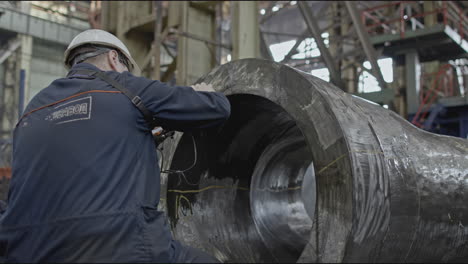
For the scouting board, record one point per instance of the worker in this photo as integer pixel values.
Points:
(85, 182)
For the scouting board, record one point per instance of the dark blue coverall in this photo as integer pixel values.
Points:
(85, 181)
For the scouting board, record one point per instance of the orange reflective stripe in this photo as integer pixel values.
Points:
(63, 100)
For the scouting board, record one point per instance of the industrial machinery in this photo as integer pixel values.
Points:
(304, 172)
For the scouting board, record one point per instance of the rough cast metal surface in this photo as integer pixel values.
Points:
(305, 172)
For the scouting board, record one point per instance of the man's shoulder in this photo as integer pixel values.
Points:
(137, 83)
(45, 95)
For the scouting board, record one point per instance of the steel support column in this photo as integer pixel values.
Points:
(412, 72)
(196, 54)
(21, 92)
(9, 96)
(365, 41)
(25, 62)
(157, 40)
(134, 27)
(430, 19)
(9, 49)
(245, 30)
(264, 49)
(312, 25)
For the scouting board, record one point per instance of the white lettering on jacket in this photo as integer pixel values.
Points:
(79, 109)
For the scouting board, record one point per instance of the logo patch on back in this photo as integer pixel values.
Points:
(76, 110)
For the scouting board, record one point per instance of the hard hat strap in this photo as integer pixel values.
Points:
(84, 56)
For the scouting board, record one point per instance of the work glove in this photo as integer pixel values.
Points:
(159, 135)
(203, 87)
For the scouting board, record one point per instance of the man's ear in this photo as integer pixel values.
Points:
(113, 58)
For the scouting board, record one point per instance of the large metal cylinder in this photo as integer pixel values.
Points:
(303, 172)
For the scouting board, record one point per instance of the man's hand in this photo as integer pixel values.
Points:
(203, 87)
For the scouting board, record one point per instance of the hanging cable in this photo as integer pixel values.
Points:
(181, 173)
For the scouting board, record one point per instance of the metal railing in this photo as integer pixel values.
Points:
(5, 173)
(441, 85)
(401, 16)
(5, 158)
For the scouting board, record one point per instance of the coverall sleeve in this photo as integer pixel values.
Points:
(181, 108)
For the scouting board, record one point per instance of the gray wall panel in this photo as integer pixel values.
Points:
(46, 65)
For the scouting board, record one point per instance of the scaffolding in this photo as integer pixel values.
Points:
(402, 16)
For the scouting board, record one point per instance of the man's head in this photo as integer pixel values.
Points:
(102, 49)
(105, 58)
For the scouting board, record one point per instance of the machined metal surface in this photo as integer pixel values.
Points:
(303, 172)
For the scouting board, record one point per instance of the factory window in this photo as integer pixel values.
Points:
(368, 83)
(279, 50)
(321, 73)
(307, 49)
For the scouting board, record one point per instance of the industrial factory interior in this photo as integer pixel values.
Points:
(234, 131)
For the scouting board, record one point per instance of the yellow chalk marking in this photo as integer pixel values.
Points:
(247, 189)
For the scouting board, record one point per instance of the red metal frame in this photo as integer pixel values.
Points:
(452, 16)
(442, 79)
(5, 173)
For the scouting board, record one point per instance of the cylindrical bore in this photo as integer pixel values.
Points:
(260, 157)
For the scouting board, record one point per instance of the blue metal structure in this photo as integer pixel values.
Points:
(417, 33)
(21, 92)
(447, 120)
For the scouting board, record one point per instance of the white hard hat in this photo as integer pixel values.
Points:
(101, 37)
